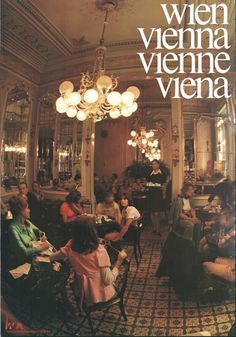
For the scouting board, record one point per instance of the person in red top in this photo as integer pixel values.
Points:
(71, 208)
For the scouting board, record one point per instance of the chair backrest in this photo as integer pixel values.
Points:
(140, 222)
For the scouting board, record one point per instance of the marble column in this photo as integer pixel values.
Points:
(177, 121)
(32, 139)
(87, 161)
(3, 103)
(230, 138)
(204, 130)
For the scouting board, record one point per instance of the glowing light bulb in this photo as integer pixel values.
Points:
(91, 96)
(114, 98)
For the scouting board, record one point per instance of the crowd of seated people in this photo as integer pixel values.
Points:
(213, 247)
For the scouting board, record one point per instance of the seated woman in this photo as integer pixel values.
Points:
(109, 207)
(130, 216)
(90, 261)
(71, 208)
(185, 215)
(22, 233)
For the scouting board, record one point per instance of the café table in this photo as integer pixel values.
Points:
(105, 225)
(40, 289)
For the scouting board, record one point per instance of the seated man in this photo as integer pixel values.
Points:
(109, 207)
(185, 215)
(22, 234)
(224, 249)
(130, 216)
(213, 242)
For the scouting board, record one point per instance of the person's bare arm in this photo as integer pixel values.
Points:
(125, 227)
(67, 219)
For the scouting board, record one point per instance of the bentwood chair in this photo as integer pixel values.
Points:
(82, 306)
(133, 238)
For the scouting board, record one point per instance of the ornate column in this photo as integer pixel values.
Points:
(87, 161)
(204, 130)
(177, 119)
(32, 139)
(230, 138)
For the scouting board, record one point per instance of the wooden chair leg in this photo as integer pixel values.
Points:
(139, 249)
(135, 253)
(122, 309)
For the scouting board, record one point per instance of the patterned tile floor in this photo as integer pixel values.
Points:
(152, 307)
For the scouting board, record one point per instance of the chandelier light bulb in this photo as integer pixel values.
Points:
(91, 96)
(71, 111)
(151, 133)
(143, 151)
(114, 113)
(74, 98)
(133, 107)
(129, 142)
(126, 112)
(135, 91)
(61, 105)
(81, 115)
(144, 141)
(127, 98)
(149, 143)
(66, 88)
(134, 144)
(155, 142)
(104, 83)
(133, 133)
(114, 98)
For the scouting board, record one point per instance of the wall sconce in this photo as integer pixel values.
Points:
(175, 133)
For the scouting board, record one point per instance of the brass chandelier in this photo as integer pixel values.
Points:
(146, 141)
(97, 96)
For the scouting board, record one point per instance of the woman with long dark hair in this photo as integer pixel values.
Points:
(90, 261)
(71, 208)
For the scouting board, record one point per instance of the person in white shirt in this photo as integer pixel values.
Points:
(130, 216)
(186, 217)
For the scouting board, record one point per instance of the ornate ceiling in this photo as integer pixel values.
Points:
(47, 41)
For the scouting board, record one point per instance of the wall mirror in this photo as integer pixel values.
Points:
(46, 140)
(15, 137)
(70, 144)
